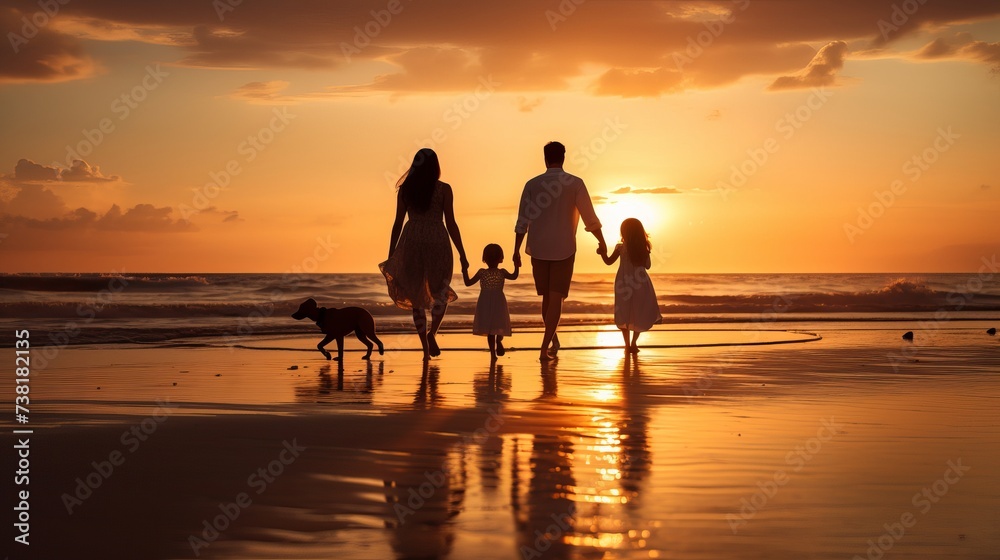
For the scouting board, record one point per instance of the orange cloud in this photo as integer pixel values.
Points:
(527, 105)
(263, 92)
(141, 217)
(655, 190)
(34, 202)
(438, 46)
(821, 71)
(39, 54)
(639, 83)
(27, 202)
(80, 171)
(962, 46)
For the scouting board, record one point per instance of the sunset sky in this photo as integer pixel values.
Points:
(746, 135)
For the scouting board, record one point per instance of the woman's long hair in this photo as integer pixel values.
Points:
(417, 184)
(636, 241)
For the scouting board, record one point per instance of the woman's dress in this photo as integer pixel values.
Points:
(419, 272)
(492, 316)
(636, 308)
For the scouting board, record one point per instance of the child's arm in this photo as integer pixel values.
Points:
(469, 281)
(512, 275)
(610, 259)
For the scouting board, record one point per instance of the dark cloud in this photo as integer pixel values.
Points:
(80, 171)
(83, 172)
(631, 48)
(821, 71)
(37, 53)
(33, 201)
(140, 218)
(962, 45)
(654, 190)
(657, 190)
(986, 52)
(28, 201)
(27, 170)
(228, 216)
(937, 48)
(262, 92)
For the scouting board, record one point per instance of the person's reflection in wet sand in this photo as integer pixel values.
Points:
(550, 385)
(491, 386)
(635, 457)
(427, 393)
(491, 390)
(545, 516)
(425, 493)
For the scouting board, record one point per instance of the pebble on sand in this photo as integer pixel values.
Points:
(908, 335)
(992, 331)
(293, 368)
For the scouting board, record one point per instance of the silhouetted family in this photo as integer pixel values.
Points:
(419, 267)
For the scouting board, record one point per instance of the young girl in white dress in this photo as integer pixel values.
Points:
(636, 308)
(492, 318)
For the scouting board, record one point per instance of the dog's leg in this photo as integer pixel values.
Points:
(368, 326)
(340, 349)
(381, 348)
(325, 341)
(364, 340)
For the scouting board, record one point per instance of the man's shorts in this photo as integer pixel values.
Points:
(552, 276)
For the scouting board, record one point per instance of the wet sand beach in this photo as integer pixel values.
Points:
(843, 442)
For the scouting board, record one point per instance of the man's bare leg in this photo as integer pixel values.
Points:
(552, 310)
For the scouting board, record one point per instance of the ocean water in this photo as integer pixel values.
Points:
(149, 308)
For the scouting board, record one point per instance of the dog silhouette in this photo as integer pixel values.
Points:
(338, 323)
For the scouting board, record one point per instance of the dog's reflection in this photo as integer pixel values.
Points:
(354, 386)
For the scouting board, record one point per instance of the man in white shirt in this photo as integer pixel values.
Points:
(551, 207)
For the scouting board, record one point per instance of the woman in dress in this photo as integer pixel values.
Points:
(419, 268)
